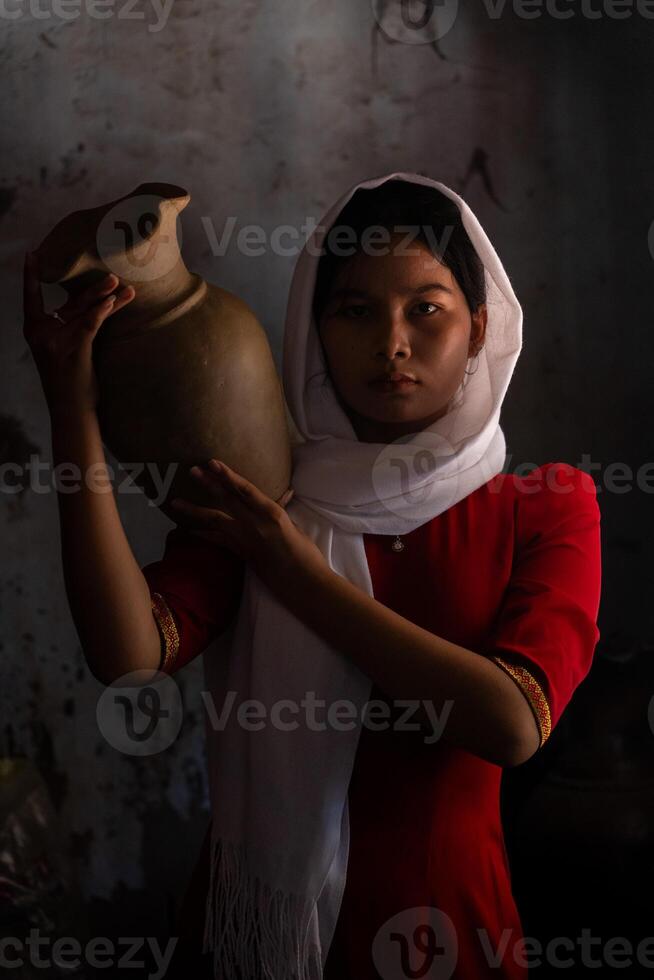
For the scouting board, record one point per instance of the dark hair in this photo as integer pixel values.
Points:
(432, 217)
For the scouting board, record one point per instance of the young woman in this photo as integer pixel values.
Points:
(406, 573)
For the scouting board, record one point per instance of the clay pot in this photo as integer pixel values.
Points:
(185, 371)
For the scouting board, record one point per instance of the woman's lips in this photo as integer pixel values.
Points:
(401, 385)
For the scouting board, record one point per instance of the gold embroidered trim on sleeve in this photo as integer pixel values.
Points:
(167, 630)
(534, 694)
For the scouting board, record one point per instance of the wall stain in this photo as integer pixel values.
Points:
(280, 177)
(16, 448)
(45, 758)
(43, 754)
(70, 174)
(7, 197)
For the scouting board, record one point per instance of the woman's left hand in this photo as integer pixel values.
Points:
(252, 525)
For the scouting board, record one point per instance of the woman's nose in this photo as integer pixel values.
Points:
(392, 339)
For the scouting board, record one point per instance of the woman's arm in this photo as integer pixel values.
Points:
(108, 595)
(196, 589)
(481, 708)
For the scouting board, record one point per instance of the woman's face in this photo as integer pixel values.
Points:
(401, 313)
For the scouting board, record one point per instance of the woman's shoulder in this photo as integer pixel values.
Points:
(526, 504)
(554, 482)
(554, 477)
(552, 494)
(549, 481)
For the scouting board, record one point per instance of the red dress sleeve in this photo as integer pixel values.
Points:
(195, 590)
(546, 630)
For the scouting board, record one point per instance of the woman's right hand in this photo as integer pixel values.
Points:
(62, 343)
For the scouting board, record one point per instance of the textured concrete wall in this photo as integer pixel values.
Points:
(267, 112)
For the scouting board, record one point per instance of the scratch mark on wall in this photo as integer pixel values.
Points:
(479, 165)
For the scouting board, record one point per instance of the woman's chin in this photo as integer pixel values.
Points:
(400, 411)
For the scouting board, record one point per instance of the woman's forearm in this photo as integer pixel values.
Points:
(108, 595)
(481, 708)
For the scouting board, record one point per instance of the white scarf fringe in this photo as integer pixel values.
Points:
(255, 934)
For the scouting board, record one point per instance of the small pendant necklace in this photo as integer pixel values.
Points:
(398, 544)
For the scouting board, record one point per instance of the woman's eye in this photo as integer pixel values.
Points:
(357, 310)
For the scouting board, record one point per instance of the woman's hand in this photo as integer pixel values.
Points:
(62, 342)
(252, 525)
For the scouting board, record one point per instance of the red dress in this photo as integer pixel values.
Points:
(511, 572)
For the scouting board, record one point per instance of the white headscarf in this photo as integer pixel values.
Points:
(280, 822)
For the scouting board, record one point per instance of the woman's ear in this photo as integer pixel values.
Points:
(478, 329)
